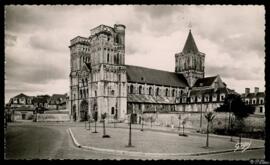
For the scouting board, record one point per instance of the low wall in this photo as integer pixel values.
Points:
(252, 123)
(52, 117)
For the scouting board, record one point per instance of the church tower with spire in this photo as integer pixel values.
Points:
(190, 62)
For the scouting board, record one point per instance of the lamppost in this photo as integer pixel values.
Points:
(95, 118)
(230, 120)
(179, 119)
(89, 121)
(142, 121)
(201, 116)
(129, 139)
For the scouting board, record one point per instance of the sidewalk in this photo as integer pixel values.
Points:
(150, 143)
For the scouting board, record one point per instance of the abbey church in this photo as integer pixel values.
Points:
(101, 82)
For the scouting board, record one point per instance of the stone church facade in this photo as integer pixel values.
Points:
(101, 82)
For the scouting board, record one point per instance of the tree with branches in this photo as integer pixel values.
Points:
(209, 117)
(233, 104)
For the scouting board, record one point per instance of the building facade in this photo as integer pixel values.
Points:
(255, 99)
(101, 82)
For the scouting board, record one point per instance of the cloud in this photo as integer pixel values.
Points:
(37, 40)
(236, 73)
(44, 43)
(10, 40)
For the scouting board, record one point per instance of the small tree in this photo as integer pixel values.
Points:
(184, 122)
(209, 117)
(103, 117)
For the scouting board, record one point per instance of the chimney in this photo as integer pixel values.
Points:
(256, 90)
(247, 90)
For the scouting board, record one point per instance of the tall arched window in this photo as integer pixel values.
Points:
(140, 89)
(150, 90)
(131, 89)
(157, 91)
(166, 92)
(173, 92)
(108, 58)
(82, 82)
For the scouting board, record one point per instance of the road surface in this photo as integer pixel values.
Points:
(31, 141)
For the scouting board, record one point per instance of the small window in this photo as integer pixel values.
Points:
(173, 93)
(157, 91)
(166, 92)
(261, 109)
(112, 92)
(140, 89)
(261, 101)
(150, 90)
(112, 111)
(131, 89)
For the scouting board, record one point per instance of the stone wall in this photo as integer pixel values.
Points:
(252, 123)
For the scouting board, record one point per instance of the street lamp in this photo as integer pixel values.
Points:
(142, 121)
(129, 139)
(95, 118)
(201, 116)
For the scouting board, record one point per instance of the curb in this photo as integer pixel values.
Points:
(73, 139)
(132, 153)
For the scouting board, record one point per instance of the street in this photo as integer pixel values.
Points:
(37, 141)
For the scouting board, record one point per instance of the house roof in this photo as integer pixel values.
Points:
(252, 95)
(153, 76)
(190, 45)
(207, 81)
(21, 95)
(209, 91)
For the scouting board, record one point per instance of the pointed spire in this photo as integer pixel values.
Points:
(190, 45)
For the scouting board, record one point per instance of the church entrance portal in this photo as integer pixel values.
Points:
(84, 110)
(74, 116)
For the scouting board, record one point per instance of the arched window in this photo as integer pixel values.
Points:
(173, 93)
(140, 89)
(166, 92)
(108, 58)
(80, 93)
(150, 90)
(87, 92)
(95, 93)
(131, 89)
(157, 91)
(112, 111)
(82, 82)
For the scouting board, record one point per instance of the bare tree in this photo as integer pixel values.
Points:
(209, 117)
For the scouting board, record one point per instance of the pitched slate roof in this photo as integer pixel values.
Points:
(209, 91)
(153, 76)
(252, 95)
(190, 45)
(207, 81)
(134, 98)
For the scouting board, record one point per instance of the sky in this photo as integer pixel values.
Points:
(37, 57)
